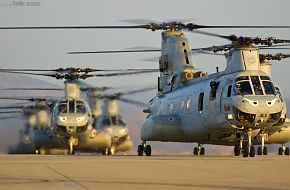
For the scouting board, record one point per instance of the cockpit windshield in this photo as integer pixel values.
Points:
(243, 88)
(113, 120)
(257, 85)
(254, 85)
(72, 106)
(81, 107)
(268, 85)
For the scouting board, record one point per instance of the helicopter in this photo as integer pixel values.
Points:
(108, 118)
(36, 137)
(192, 106)
(71, 116)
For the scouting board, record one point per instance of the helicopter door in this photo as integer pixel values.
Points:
(202, 112)
(226, 99)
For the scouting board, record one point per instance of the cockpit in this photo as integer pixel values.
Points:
(72, 106)
(253, 85)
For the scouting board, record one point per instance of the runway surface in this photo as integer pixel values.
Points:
(132, 172)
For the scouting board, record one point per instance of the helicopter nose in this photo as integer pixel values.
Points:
(256, 111)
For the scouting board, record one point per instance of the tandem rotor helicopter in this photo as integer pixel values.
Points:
(238, 107)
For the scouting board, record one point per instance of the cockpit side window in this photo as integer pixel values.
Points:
(279, 93)
(268, 85)
(243, 88)
(62, 108)
(269, 88)
(257, 85)
(81, 107)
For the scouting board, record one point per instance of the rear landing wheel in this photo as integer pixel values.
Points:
(195, 151)
(265, 151)
(280, 151)
(237, 150)
(259, 151)
(147, 150)
(287, 151)
(140, 150)
(252, 151)
(202, 151)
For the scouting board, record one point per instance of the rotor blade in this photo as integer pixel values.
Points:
(24, 99)
(10, 117)
(122, 74)
(136, 103)
(49, 89)
(138, 91)
(12, 107)
(278, 48)
(28, 73)
(38, 70)
(116, 51)
(192, 26)
(67, 27)
(10, 112)
(230, 37)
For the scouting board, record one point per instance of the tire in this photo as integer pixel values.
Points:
(245, 151)
(202, 151)
(280, 151)
(265, 151)
(140, 150)
(237, 150)
(259, 151)
(195, 151)
(148, 150)
(252, 151)
(287, 151)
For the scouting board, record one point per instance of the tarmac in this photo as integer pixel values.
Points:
(133, 172)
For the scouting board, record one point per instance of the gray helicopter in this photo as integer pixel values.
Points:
(108, 118)
(36, 136)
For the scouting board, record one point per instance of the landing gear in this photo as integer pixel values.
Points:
(198, 150)
(238, 148)
(140, 150)
(262, 150)
(143, 148)
(72, 143)
(111, 150)
(248, 149)
(284, 150)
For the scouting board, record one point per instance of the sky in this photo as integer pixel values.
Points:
(48, 48)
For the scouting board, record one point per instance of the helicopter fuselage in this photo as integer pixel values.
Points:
(214, 107)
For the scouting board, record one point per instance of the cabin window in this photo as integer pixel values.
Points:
(188, 104)
(186, 56)
(183, 43)
(170, 107)
(182, 106)
(200, 101)
(229, 91)
(257, 85)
